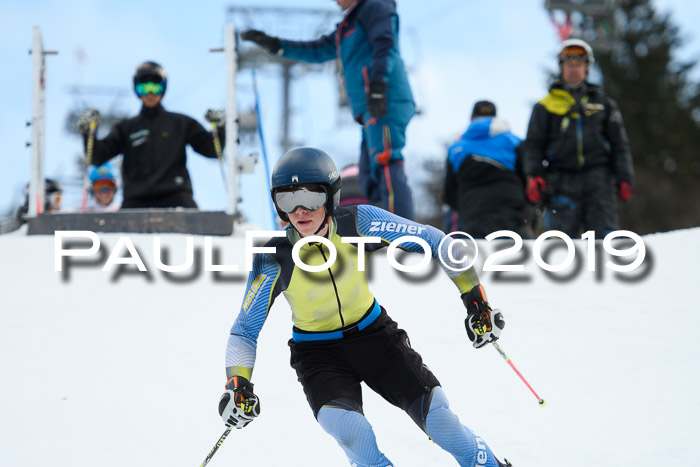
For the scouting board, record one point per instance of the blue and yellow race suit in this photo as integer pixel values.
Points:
(326, 302)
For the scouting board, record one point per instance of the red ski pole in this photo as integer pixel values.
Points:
(505, 357)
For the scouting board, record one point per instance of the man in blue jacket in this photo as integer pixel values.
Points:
(366, 47)
(483, 181)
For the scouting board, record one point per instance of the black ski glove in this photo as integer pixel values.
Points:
(269, 43)
(238, 406)
(376, 99)
(482, 326)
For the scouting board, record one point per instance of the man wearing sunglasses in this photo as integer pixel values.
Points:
(576, 154)
(342, 336)
(153, 143)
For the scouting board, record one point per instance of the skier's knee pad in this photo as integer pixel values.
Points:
(353, 433)
(440, 407)
(440, 414)
(343, 420)
(444, 427)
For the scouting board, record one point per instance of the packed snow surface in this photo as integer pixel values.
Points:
(125, 368)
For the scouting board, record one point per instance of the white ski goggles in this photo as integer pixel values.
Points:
(289, 201)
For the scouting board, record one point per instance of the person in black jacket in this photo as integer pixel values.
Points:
(576, 154)
(153, 143)
(483, 183)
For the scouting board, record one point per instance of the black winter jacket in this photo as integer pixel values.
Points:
(481, 188)
(565, 141)
(153, 144)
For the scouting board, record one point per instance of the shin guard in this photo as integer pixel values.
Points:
(443, 426)
(354, 434)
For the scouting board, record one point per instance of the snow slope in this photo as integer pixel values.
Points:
(109, 369)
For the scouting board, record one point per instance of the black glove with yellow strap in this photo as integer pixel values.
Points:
(483, 324)
(239, 405)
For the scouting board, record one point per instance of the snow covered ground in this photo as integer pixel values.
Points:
(126, 369)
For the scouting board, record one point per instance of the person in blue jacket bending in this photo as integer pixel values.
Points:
(484, 181)
(366, 46)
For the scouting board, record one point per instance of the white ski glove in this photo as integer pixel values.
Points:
(238, 406)
(215, 116)
(483, 324)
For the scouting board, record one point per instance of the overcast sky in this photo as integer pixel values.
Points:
(457, 52)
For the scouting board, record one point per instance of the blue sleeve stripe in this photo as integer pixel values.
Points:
(258, 298)
(242, 343)
(376, 222)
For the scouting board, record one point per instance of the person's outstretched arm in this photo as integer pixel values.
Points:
(259, 296)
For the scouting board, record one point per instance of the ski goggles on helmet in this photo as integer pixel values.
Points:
(289, 200)
(103, 186)
(150, 88)
(574, 53)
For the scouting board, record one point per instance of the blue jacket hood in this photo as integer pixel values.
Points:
(487, 137)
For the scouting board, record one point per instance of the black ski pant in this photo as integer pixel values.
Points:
(380, 356)
(481, 224)
(582, 200)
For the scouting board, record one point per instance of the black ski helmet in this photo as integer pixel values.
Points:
(52, 202)
(150, 72)
(51, 186)
(307, 166)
